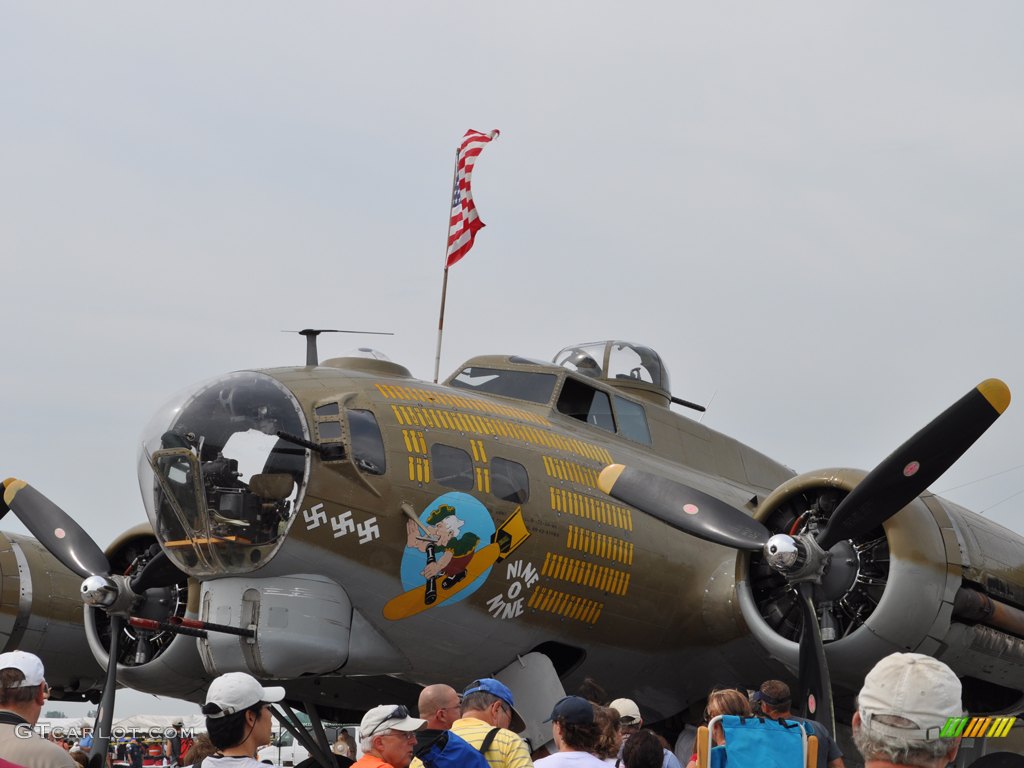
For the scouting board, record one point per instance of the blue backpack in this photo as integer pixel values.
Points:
(449, 750)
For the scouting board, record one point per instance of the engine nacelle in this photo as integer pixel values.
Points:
(893, 590)
(40, 613)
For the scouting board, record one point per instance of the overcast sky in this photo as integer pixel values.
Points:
(813, 211)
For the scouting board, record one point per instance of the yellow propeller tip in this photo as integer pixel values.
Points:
(11, 487)
(997, 394)
(608, 476)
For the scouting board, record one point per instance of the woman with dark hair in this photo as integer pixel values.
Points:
(238, 719)
(643, 750)
(577, 736)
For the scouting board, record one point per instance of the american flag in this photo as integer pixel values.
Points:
(465, 222)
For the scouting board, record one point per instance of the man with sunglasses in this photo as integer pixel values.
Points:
(387, 737)
(23, 692)
(491, 724)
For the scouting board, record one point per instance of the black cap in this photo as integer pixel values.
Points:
(572, 710)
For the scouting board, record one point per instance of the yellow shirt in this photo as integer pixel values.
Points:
(507, 750)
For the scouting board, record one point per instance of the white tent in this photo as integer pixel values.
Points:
(158, 723)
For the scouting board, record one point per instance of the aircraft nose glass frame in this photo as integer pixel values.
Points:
(222, 474)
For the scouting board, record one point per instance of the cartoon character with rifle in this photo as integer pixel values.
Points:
(448, 553)
(451, 548)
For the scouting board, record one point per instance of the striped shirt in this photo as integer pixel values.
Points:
(507, 750)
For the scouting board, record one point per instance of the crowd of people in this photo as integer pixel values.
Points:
(905, 702)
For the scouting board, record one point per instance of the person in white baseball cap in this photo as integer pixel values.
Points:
(238, 719)
(630, 722)
(23, 692)
(906, 701)
(387, 736)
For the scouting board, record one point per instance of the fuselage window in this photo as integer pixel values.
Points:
(329, 430)
(585, 403)
(367, 444)
(451, 467)
(509, 481)
(632, 420)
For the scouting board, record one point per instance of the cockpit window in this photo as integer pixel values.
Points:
(583, 402)
(522, 385)
(367, 444)
(221, 473)
(632, 420)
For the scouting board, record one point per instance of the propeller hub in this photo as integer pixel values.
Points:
(781, 552)
(99, 591)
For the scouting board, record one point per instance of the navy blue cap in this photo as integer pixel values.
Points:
(572, 710)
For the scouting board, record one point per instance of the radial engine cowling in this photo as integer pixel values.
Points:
(893, 590)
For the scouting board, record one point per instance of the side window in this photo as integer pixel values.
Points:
(632, 419)
(586, 404)
(451, 467)
(328, 424)
(367, 444)
(509, 481)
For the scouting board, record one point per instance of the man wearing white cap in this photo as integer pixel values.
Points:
(630, 722)
(388, 736)
(23, 691)
(238, 719)
(906, 701)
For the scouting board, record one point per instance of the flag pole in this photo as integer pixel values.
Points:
(444, 283)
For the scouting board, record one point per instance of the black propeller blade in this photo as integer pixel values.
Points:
(684, 508)
(53, 527)
(160, 571)
(911, 468)
(105, 713)
(813, 672)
